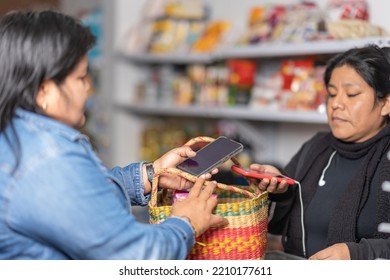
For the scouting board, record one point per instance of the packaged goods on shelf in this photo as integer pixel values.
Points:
(223, 84)
(167, 26)
(306, 21)
(287, 23)
(160, 137)
(347, 9)
(212, 37)
(242, 74)
(182, 29)
(297, 85)
(350, 19)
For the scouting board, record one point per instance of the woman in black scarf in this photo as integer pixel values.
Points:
(334, 210)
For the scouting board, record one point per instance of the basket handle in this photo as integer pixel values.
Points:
(191, 178)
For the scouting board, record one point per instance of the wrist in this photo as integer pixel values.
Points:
(146, 174)
(149, 172)
(188, 220)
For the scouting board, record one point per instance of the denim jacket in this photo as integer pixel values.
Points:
(62, 203)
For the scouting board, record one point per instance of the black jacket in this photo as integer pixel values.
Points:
(306, 167)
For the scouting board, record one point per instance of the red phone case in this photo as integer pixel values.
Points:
(249, 173)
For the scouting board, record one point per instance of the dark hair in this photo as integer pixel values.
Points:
(34, 47)
(370, 62)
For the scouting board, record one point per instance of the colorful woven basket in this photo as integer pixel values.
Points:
(245, 207)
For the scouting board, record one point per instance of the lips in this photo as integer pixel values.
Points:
(336, 119)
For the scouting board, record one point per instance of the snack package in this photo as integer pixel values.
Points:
(181, 195)
(348, 9)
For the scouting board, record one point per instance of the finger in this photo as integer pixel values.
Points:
(271, 189)
(185, 152)
(253, 181)
(218, 221)
(264, 184)
(273, 185)
(197, 188)
(198, 145)
(283, 186)
(207, 190)
(213, 172)
(185, 184)
(255, 166)
(212, 202)
(320, 255)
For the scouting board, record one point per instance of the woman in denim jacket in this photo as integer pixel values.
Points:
(57, 200)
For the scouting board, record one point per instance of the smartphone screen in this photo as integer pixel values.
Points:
(211, 156)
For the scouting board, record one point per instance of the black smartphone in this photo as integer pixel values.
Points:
(211, 156)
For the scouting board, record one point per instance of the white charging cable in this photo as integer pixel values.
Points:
(302, 218)
(322, 182)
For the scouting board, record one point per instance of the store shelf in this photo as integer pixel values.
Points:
(236, 112)
(281, 49)
(182, 58)
(285, 130)
(263, 50)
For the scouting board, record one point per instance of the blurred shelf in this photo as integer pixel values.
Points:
(148, 58)
(262, 50)
(281, 49)
(236, 112)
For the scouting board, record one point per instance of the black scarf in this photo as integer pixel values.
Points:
(342, 227)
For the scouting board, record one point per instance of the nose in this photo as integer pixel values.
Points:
(89, 86)
(336, 102)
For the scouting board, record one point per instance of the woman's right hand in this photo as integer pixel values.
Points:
(269, 185)
(198, 207)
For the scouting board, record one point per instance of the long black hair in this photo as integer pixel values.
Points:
(371, 62)
(35, 47)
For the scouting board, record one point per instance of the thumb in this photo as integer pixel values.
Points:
(218, 221)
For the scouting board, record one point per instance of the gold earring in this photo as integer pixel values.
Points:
(44, 106)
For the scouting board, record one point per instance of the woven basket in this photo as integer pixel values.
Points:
(245, 207)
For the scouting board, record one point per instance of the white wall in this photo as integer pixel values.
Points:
(75, 7)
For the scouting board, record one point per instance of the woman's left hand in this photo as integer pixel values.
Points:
(269, 185)
(171, 159)
(337, 251)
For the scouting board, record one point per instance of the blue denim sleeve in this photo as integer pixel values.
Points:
(70, 206)
(130, 177)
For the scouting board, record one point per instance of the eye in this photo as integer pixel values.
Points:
(84, 78)
(353, 94)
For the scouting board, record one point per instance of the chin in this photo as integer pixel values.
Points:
(341, 136)
(80, 124)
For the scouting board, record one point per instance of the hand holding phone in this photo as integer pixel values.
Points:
(211, 156)
(265, 175)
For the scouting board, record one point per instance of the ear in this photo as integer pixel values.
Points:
(385, 111)
(45, 94)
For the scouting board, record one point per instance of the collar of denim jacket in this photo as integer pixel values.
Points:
(43, 122)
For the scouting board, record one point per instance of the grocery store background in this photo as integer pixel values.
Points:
(154, 92)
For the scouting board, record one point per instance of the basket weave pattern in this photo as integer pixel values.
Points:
(245, 207)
